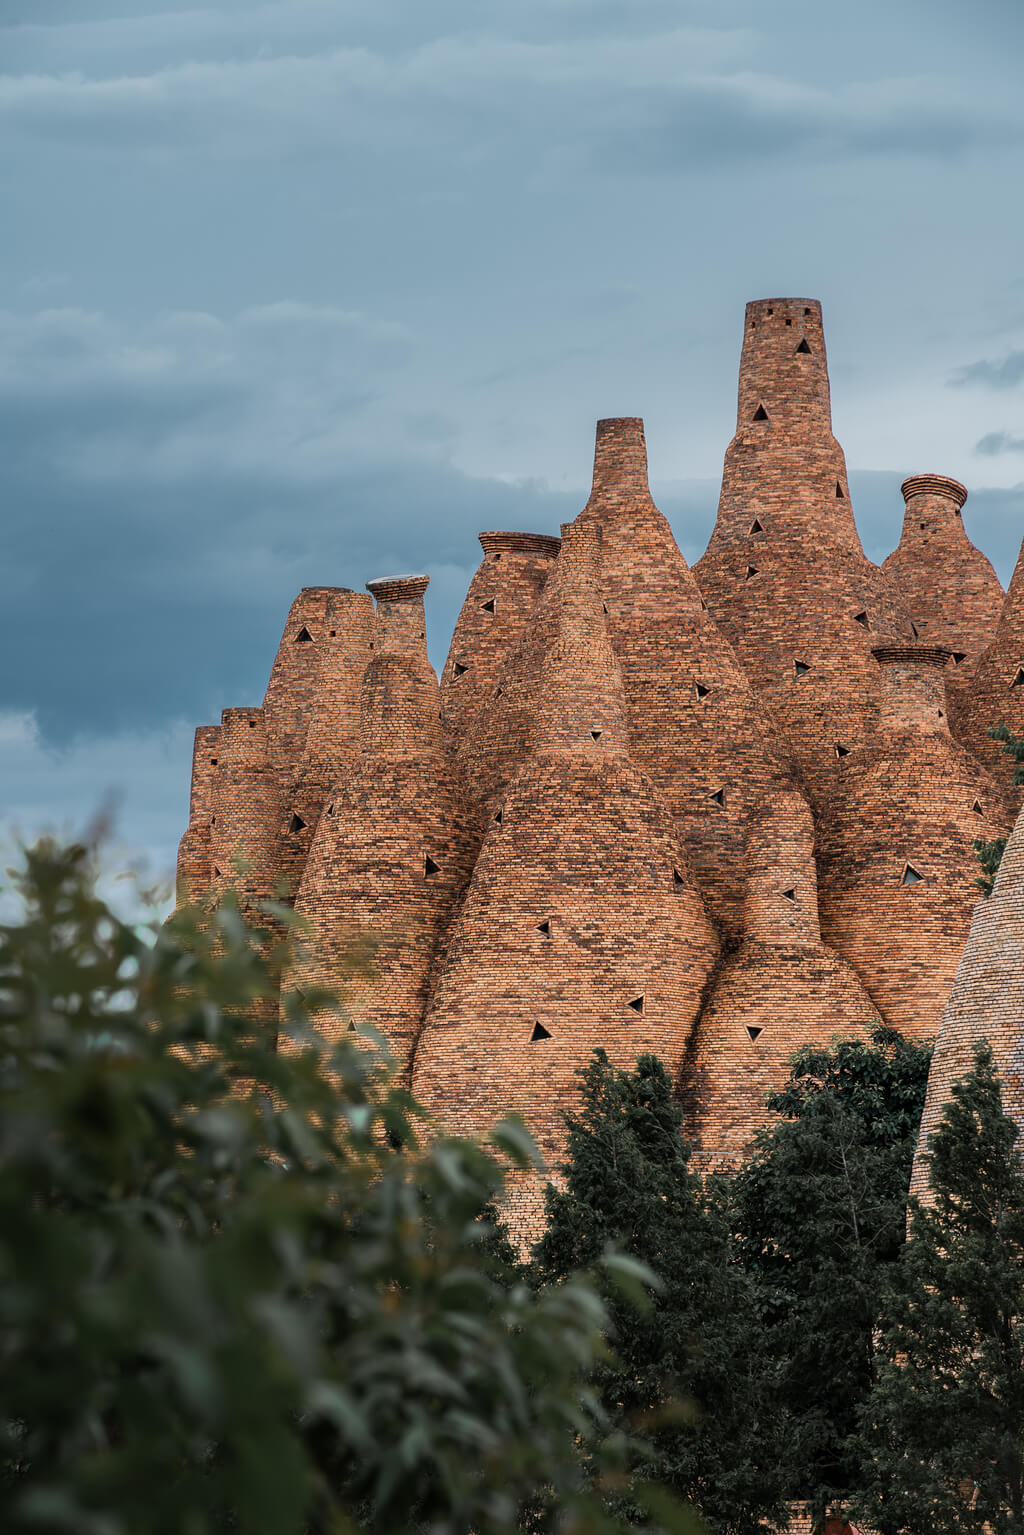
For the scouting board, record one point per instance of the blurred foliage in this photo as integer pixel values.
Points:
(238, 1290)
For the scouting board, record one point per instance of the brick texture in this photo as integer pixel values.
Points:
(194, 868)
(995, 694)
(780, 990)
(288, 701)
(896, 865)
(784, 575)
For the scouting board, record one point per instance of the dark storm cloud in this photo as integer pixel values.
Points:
(1005, 374)
(994, 443)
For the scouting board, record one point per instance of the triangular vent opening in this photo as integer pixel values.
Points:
(840, 494)
(330, 810)
(499, 816)
(913, 630)
(911, 876)
(637, 1004)
(976, 808)
(718, 798)
(604, 609)
(596, 735)
(751, 571)
(756, 526)
(862, 619)
(958, 656)
(790, 895)
(1018, 681)
(216, 871)
(351, 1026)
(760, 414)
(677, 878)
(804, 349)
(841, 750)
(296, 823)
(801, 668)
(429, 866)
(545, 927)
(487, 607)
(753, 1033)
(701, 690)
(303, 637)
(458, 669)
(539, 1032)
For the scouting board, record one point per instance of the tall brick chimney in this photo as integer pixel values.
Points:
(784, 575)
(994, 695)
(949, 587)
(194, 869)
(245, 824)
(288, 701)
(896, 863)
(780, 991)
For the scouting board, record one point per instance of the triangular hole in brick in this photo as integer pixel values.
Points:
(911, 875)
(303, 637)
(801, 668)
(753, 1032)
(488, 607)
(804, 348)
(976, 808)
(429, 866)
(296, 823)
(539, 1032)
(351, 1027)
(499, 816)
(842, 751)
(958, 656)
(604, 608)
(751, 571)
(330, 810)
(1018, 681)
(839, 492)
(862, 619)
(756, 526)
(637, 1003)
(790, 895)
(677, 878)
(596, 734)
(216, 871)
(913, 630)
(760, 414)
(458, 669)
(702, 691)
(545, 927)
(718, 798)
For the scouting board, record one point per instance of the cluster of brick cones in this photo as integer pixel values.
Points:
(716, 814)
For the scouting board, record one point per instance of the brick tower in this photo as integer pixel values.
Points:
(501, 597)
(388, 858)
(291, 689)
(986, 1003)
(581, 926)
(194, 869)
(332, 733)
(995, 693)
(950, 589)
(245, 852)
(896, 865)
(784, 575)
(782, 989)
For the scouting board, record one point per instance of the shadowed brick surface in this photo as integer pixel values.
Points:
(995, 694)
(194, 868)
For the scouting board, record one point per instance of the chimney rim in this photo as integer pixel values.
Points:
(397, 588)
(506, 541)
(923, 655)
(934, 485)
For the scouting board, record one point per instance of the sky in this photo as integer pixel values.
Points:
(309, 292)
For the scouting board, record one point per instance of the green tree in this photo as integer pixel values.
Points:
(944, 1426)
(628, 1187)
(236, 1291)
(820, 1214)
(990, 856)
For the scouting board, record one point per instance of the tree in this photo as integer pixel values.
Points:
(944, 1426)
(820, 1214)
(990, 856)
(236, 1291)
(628, 1187)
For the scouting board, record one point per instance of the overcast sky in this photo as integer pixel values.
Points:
(312, 291)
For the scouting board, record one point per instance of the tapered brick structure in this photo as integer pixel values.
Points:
(896, 865)
(389, 856)
(581, 926)
(494, 617)
(986, 1003)
(332, 734)
(784, 575)
(245, 850)
(194, 868)
(291, 690)
(995, 693)
(949, 588)
(781, 990)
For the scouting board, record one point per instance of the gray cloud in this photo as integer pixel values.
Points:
(994, 443)
(1006, 374)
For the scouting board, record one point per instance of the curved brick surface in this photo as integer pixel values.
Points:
(194, 870)
(784, 574)
(502, 595)
(896, 866)
(995, 694)
(288, 701)
(389, 858)
(950, 589)
(781, 990)
(986, 1003)
(581, 926)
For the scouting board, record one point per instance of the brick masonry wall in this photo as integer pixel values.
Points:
(780, 991)
(194, 868)
(896, 865)
(995, 694)
(784, 575)
(288, 701)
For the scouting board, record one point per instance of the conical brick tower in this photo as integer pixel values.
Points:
(497, 609)
(581, 926)
(245, 852)
(784, 575)
(896, 866)
(995, 693)
(781, 990)
(292, 687)
(950, 589)
(332, 734)
(194, 868)
(986, 1003)
(389, 858)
